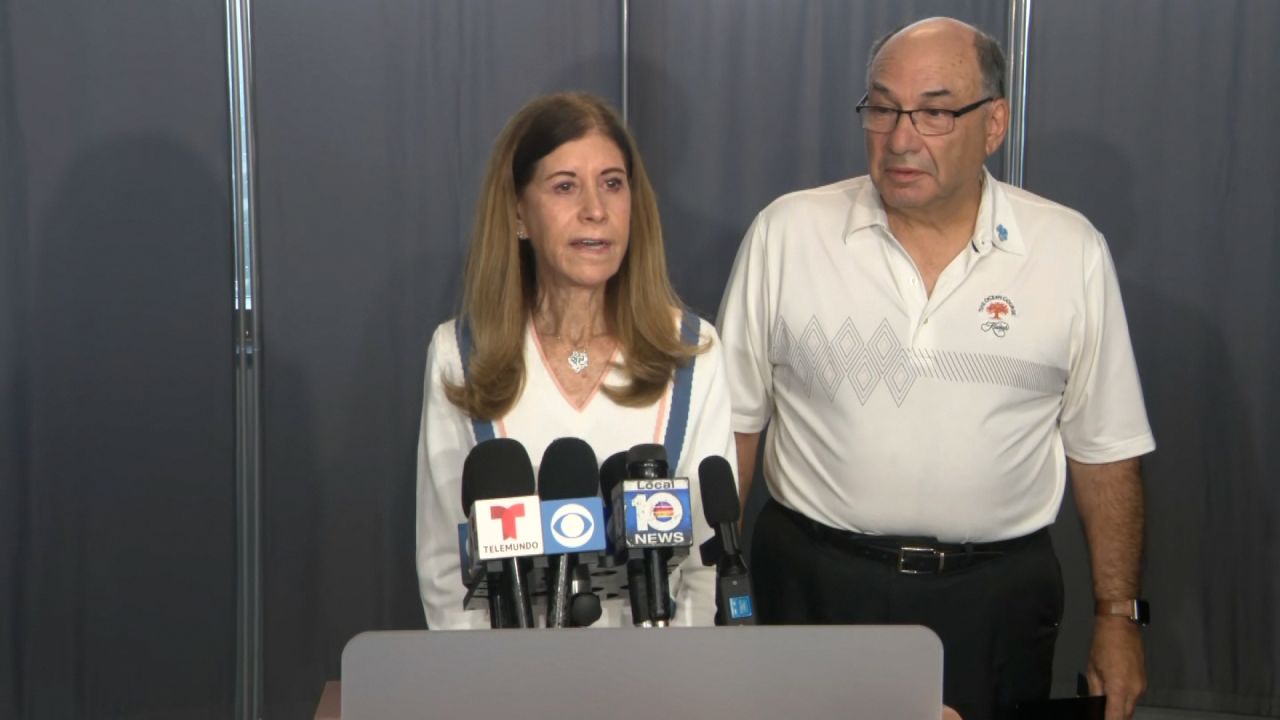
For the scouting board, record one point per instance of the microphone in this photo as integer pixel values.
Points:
(649, 462)
(656, 522)
(584, 604)
(734, 602)
(612, 472)
(573, 524)
(505, 527)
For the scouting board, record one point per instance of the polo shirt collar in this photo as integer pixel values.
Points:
(866, 211)
(995, 227)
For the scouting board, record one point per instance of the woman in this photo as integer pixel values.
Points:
(571, 329)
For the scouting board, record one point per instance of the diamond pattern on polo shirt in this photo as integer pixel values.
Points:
(864, 376)
(813, 340)
(883, 357)
(884, 346)
(782, 344)
(802, 371)
(819, 359)
(828, 372)
(899, 378)
(808, 354)
(848, 345)
(784, 351)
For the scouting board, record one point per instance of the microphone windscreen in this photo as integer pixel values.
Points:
(647, 452)
(568, 470)
(719, 493)
(612, 471)
(496, 468)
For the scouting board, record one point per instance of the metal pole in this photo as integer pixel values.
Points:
(626, 70)
(1019, 51)
(248, 354)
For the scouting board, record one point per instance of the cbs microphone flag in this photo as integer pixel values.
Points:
(573, 526)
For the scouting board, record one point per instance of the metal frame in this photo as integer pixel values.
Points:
(626, 69)
(1019, 52)
(248, 355)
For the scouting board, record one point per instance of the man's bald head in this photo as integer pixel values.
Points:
(932, 70)
(987, 51)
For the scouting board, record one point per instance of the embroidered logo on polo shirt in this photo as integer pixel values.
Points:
(1002, 233)
(996, 311)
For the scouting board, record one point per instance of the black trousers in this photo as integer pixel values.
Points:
(998, 618)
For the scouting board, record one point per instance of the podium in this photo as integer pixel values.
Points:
(743, 673)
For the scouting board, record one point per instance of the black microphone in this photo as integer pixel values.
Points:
(497, 479)
(734, 601)
(568, 472)
(612, 472)
(584, 604)
(649, 462)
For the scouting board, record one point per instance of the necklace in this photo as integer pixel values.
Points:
(578, 361)
(578, 358)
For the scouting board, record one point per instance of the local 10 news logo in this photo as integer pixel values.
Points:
(657, 512)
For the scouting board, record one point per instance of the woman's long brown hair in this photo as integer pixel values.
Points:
(500, 285)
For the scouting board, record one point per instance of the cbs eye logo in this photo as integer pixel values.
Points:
(571, 525)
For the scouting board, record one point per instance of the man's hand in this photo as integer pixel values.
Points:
(1117, 667)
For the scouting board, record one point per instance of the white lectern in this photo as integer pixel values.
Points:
(739, 673)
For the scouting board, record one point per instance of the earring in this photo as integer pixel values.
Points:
(521, 234)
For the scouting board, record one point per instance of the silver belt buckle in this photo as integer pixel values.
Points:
(905, 552)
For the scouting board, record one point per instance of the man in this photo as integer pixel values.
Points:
(933, 350)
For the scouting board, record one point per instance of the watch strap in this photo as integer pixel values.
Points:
(1135, 609)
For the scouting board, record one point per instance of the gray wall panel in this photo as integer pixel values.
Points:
(375, 124)
(1157, 120)
(117, 595)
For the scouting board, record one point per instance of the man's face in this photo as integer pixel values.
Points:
(931, 67)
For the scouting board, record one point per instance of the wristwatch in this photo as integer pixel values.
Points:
(1137, 610)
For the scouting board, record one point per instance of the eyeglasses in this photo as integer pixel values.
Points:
(927, 121)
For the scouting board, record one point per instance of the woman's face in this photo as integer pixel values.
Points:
(577, 213)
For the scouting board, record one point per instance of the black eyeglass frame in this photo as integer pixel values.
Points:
(863, 104)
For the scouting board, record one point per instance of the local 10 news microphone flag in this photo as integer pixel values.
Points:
(735, 604)
(612, 472)
(651, 524)
(573, 530)
(504, 529)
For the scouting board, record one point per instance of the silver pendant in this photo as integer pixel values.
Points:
(578, 361)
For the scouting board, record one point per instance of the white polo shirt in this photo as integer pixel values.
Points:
(898, 413)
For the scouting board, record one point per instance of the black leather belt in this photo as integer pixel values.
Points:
(913, 555)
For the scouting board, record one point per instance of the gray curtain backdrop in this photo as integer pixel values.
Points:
(374, 120)
(1158, 120)
(117, 516)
